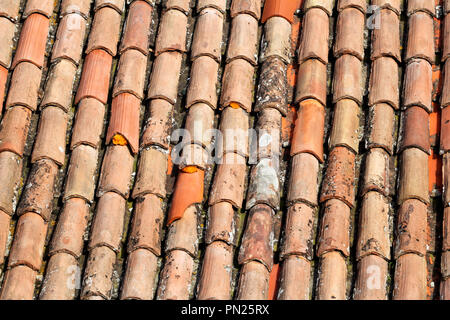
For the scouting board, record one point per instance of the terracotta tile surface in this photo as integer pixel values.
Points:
(105, 31)
(7, 40)
(314, 43)
(277, 39)
(137, 28)
(32, 41)
(129, 219)
(44, 7)
(10, 9)
(204, 42)
(170, 34)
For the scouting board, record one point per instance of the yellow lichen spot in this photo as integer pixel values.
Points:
(190, 169)
(118, 139)
(235, 105)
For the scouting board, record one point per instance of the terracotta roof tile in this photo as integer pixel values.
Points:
(269, 126)
(159, 124)
(358, 4)
(413, 182)
(18, 284)
(277, 41)
(107, 226)
(363, 291)
(151, 174)
(59, 87)
(199, 121)
(207, 43)
(411, 228)
(146, 229)
(417, 85)
(32, 41)
(445, 289)
(202, 85)
(137, 28)
(165, 77)
(264, 185)
(446, 181)
(234, 128)
(303, 182)
(88, 124)
(172, 32)
(3, 79)
(124, 121)
(334, 229)
(138, 283)
(37, 196)
(421, 6)
(14, 130)
(446, 40)
(118, 5)
(446, 226)
(295, 279)
(5, 223)
(221, 223)
(299, 232)
(188, 191)
(10, 9)
(105, 31)
(44, 7)
(253, 282)
(381, 132)
(69, 232)
(325, 5)
(416, 132)
(24, 86)
(251, 7)
(28, 245)
(50, 142)
(315, 32)
(309, 129)
(69, 38)
(243, 41)
(94, 81)
(194, 157)
(111, 179)
(332, 283)
(82, 167)
(445, 264)
(276, 8)
(176, 276)
(374, 230)
(183, 234)
(345, 129)
(60, 269)
(215, 279)
(339, 178)
(410, 278)
(312, 81)
(7, 41)
(11, 166)
(445, 98)
(386, 38)
(216, 4)
(393, 5)
(377, 172)
(76, 6)
(420, 44)
(182, 5)
(348, 82)
(350, 33)
(272, 87)
(229, 181)
(256, 245)
(98, 273)
(237, 86)
(384, 82)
